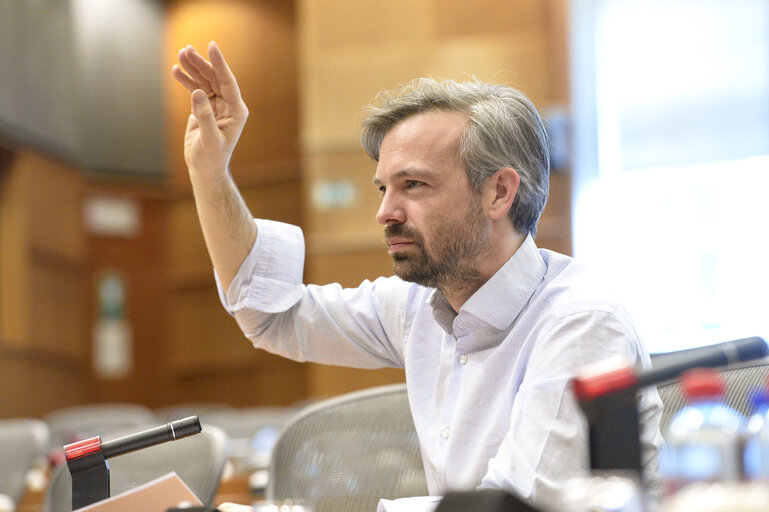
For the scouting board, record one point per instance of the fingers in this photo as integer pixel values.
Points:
(204, 113)
(199, 70)
(214, 76)
(183, 79)
(225, 79)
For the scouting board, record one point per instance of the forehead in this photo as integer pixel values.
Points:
(429, 140)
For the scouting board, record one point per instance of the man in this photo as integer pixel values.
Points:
(489, 329)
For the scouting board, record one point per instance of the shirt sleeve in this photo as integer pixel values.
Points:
(547, 443)
(277, 260)
(359, 327)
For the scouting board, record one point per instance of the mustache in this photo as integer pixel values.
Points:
(402, 231)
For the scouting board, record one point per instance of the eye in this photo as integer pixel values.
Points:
(381, 189)
(413, 183)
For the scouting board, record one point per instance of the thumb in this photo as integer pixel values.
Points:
(201, 109)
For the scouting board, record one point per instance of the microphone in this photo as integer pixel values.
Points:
(713, 356)
(604, 379)
(168, 432)
(130, 443)
(87, 459)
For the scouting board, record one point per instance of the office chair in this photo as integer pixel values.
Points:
(252, 432)
(23, 443)
(183, 410)
(71, 424)
(199, 460)
(345, 453)
(740, 381)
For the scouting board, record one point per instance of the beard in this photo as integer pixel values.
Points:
(452, 262)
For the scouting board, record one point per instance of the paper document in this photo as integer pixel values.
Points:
(158, 495)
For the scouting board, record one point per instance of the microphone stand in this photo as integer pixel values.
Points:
(87, 459)
(608, 399)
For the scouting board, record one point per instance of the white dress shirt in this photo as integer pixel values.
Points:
(489, 388)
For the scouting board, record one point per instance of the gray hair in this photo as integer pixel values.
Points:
(503, 130)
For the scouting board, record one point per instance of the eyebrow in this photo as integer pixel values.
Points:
(410, 173)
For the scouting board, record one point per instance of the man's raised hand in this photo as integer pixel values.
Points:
(218, 112)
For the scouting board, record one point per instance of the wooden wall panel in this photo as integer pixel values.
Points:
(261, 384)
(33, 385)
(43, 266)
(340, 83)
(58, 310)
(518, 59)
(456, 18)
(348, 267)
(140, 260)
(54, 211)
(344, 222)
(14, 268)
(187, 254)
(201, 332)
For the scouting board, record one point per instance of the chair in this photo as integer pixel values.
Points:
(345, 453)
(199, 461)
(23, 444)
(71, 424)
(252, 432)
(202, 410)
(740, 381)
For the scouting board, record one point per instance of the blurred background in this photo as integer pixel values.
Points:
(658, 114)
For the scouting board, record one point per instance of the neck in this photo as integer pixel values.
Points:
(460, 289)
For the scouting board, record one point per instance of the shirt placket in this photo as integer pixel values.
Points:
(457, 360)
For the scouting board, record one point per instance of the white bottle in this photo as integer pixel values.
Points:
(756, 454)
(704, 441)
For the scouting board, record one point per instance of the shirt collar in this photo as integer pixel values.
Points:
(499, 301)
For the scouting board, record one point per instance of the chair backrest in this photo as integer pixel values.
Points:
(182, 410)
(199, 460)
(23, 442)
(740, 381)
(252, 432)
(83, 421)
(345, 453)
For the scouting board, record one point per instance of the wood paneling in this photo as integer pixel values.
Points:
(43, 266)
(140, 260)
(33, 383)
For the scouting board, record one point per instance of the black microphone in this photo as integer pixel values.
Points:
(87, 459)
(713, 356)
(150, 437)
(599, 380)
(607, 397)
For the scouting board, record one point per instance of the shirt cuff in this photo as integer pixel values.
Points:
(270, 277)
(413, 504)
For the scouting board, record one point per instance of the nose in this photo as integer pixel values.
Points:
(390, 211)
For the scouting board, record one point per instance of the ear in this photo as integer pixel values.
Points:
(501, 191)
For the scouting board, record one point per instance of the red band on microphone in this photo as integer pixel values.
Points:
(82, 448)
(590, 387)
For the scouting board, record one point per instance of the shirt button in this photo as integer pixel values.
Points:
(463, 359)
(445, 431)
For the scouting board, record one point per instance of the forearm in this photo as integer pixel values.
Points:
(213, 128)
(228, 226)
